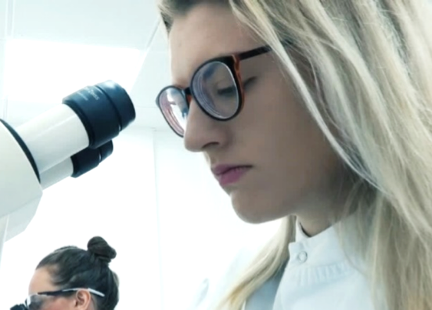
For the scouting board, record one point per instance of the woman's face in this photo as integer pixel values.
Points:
(41, 282)
(290, 166)
(41, 287)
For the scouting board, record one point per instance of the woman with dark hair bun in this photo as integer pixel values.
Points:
(73, 278)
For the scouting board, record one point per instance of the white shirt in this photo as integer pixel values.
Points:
(318, 276)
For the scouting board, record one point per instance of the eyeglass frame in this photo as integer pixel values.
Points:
(233, 63)
(62, 292)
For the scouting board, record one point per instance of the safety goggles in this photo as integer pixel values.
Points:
(35, 301)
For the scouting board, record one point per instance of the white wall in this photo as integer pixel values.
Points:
(156, 204)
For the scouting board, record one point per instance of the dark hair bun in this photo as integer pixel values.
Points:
(101, 249)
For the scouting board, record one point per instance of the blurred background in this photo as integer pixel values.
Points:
(155, 203)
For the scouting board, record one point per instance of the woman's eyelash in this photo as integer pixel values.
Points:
(249, 81)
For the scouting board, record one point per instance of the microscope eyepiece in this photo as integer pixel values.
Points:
(88, 118)
(89, 159)
(104, 109)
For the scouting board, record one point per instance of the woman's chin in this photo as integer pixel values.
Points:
(257, 207)
(251, 209)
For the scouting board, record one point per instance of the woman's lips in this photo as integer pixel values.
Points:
(229, 174)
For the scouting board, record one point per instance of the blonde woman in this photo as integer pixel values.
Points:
(318, 113)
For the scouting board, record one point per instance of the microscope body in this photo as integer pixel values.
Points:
(66, 141)
(20, 189)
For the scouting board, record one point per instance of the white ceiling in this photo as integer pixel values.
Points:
(50, 48)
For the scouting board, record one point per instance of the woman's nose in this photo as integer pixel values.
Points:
(203, 132)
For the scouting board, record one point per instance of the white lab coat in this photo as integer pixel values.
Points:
(318, 276)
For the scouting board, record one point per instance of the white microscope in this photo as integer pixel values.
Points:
(68, 140)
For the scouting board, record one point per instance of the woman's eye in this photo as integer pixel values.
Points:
(227, 91)
(232, 89)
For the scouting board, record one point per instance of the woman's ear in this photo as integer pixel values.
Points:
(83, 300)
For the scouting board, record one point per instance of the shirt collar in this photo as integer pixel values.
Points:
(322, 249)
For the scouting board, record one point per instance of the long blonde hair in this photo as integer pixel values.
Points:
(372, 63)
